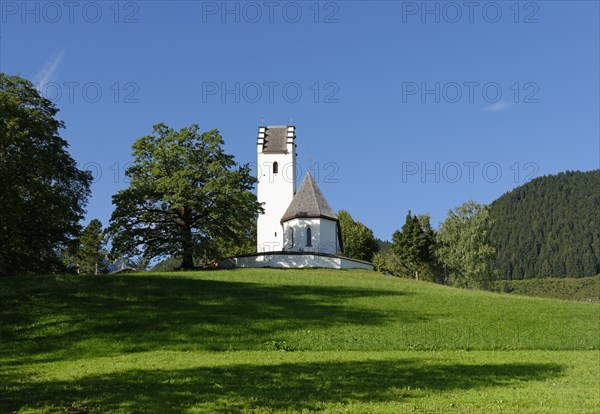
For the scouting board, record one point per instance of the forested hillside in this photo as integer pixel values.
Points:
(549, 227)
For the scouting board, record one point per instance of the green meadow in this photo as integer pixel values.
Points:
(269, 340)
(582, 288)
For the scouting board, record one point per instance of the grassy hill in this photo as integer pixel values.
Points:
(289, 340)
(585, 289)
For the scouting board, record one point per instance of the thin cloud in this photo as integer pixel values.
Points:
(497, 107)
(48, 71)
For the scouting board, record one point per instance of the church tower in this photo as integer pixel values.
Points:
(276, 172)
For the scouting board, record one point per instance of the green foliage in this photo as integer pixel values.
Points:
(358, 240)
(91, 255)
(384, 245)
(549, 227)
(219, 248)
(216, 341)
(243, 243)
(585, 289)
(414, 244)
(389, 263)
(187, 197)
(464, 246)
(42, 192)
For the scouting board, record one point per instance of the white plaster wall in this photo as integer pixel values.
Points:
(323, 231)
(299, 225)
(276, 192)
(351, 264)
(328, 242)
(288, 261)
(299, 261)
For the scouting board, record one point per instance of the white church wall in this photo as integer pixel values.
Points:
(323, 235)
(290, 260)
(299, 226)
(276, 191)
(328, 237)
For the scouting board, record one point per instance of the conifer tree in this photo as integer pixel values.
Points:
(549, 227)
(91, 253)
(414, 243)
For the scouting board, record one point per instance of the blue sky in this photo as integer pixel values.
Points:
(398, 105)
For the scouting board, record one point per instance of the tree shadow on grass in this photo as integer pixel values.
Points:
(290, 386)
(65, 318)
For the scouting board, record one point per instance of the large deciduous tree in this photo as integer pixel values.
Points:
(42, 192)
(465, 249)
(357, 239)
(185, 195)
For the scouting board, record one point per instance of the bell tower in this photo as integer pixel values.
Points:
(276, 173)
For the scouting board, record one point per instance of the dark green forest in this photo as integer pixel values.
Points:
(549, 227)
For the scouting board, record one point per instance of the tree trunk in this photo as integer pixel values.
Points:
(188, 251)
(188, 243)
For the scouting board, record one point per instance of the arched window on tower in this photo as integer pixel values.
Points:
(308, 237)
(291, 237)
(275, 167)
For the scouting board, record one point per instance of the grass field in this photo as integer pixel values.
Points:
(584, 289)
(290, 341)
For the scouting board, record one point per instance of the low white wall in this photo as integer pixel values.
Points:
(353, 264)
(299, 261)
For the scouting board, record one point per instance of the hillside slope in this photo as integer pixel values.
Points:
(266, 340)
(313, 310)
(586, 289)
(549, 227)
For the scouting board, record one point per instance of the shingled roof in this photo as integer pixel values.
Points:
(309, 202)
(275, 139)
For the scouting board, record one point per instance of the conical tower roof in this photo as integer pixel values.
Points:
(309, 202)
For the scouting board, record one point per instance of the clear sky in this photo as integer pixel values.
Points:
(398, 105)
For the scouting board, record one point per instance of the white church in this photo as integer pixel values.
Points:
(298, 227)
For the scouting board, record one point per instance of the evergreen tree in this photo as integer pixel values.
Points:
(549, 227)
(384, 245)
(414, 243)
(91, 255)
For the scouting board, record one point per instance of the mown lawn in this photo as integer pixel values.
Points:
(290, 341)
